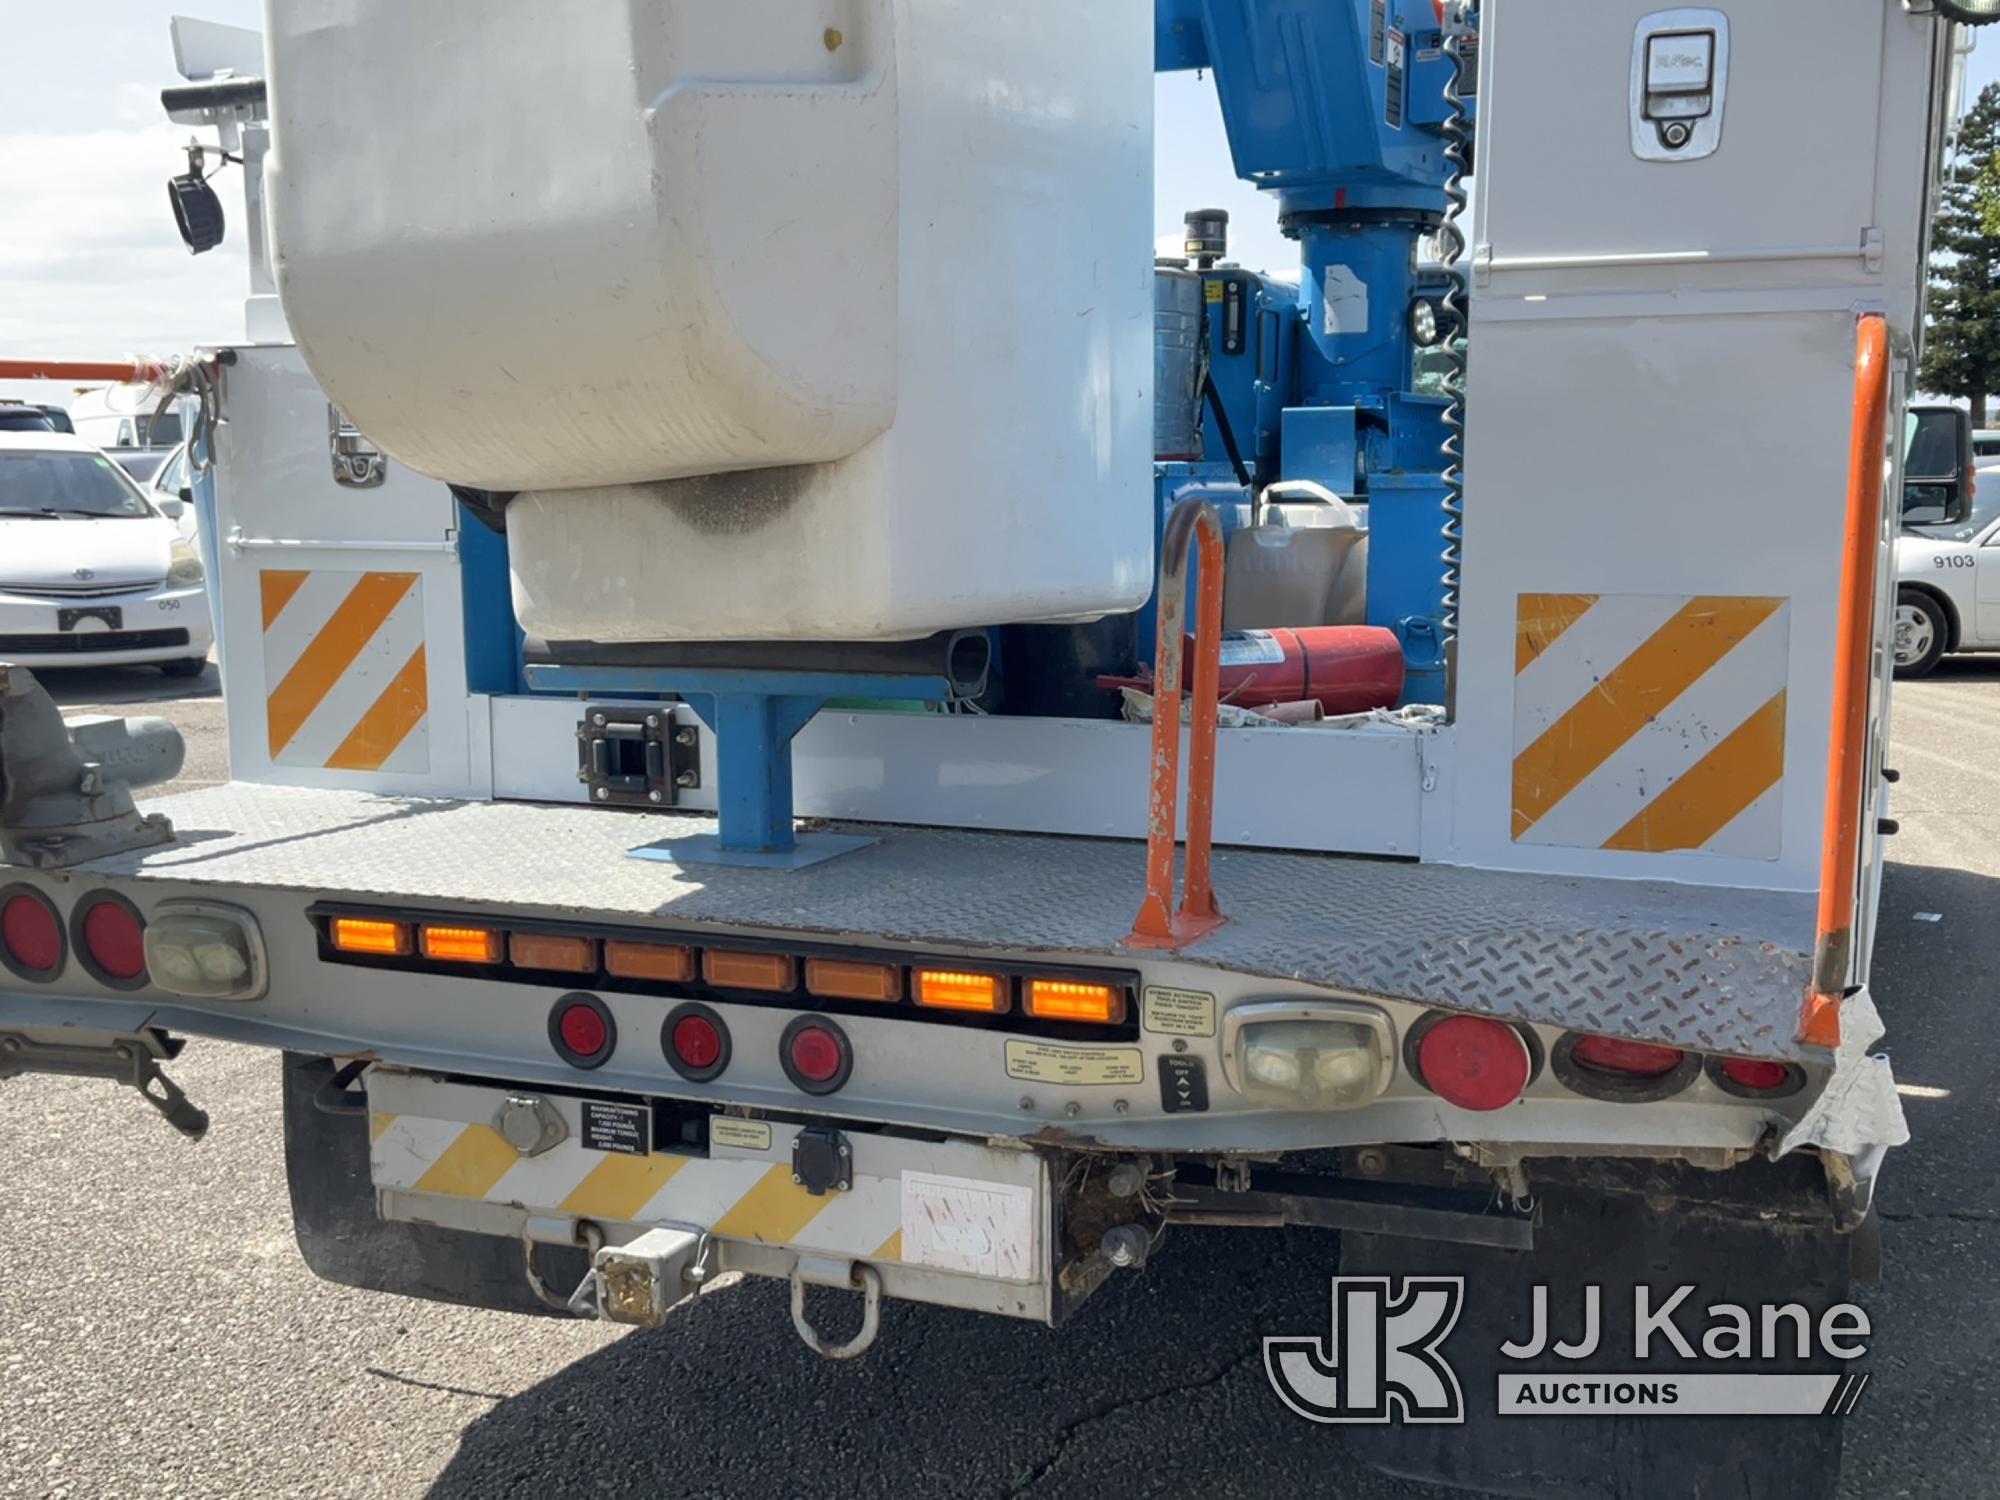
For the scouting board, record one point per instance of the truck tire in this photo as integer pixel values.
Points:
(344, 1241)
(1922, 632)
(1616, 1224)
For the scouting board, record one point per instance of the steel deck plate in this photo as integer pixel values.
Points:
(1715, 969)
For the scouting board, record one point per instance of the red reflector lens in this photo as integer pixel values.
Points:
(1634, 1059)
(1751, 1074)
(583, 1030)
(31, 933)
(815, 1054)
(1473, 1062)
(696, 1041)
(116, 939)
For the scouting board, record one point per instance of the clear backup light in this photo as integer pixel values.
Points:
(206, 951)
(1292, 1054)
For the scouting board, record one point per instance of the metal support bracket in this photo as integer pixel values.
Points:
(133, 1060)
(754, 715)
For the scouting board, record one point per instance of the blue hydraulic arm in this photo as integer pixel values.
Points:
(1341, 110)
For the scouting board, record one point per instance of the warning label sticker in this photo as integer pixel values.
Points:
(617, 1127)
(1251, 648)
(1047, 1062)
(1177, 1012)
(741, 1135)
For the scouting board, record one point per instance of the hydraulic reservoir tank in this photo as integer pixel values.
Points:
(779, 318)
(1177, 363)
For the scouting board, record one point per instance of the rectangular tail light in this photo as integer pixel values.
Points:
(370, 936)
(460, 945)
(843, 979)
(667, 962)
(552, 951)
(958, 989)
(748, 971)
(1075, 1000)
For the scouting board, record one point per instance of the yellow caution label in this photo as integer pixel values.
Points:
(743, 1135)
(1211, 291)
(1047, 1062)
(1177, 1012)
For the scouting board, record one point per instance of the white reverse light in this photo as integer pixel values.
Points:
(1291, 1054)
(206, 951)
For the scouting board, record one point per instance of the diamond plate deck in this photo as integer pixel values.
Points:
(1714, 969)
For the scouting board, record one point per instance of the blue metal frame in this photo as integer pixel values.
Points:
(754, 717)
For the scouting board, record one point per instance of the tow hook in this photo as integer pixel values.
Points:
(849, 1276)
(132, 1060)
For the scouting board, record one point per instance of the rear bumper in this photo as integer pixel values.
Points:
(949, 1222)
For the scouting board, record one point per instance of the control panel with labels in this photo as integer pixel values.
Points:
(1680, 71)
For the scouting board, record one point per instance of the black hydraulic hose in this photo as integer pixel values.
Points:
(1214, 400)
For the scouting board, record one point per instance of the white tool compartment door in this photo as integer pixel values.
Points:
(344, 648)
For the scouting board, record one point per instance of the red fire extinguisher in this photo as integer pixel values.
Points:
(1349, 669)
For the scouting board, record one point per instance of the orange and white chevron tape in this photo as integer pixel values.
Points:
(346, 685)
(1650, 722)
(749, 1196)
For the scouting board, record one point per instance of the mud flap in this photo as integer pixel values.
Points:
(344, 1241)
(1613, 1225)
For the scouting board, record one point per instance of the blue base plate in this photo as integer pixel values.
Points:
(706, 849)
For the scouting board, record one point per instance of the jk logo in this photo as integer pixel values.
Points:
(1379, 1362)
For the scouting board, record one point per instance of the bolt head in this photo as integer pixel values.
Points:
(684, 737)
(655, 795)
(1122, 1106)
(686, 778)
(1072, 1109)
(598, 720)
(652, 721)
(795, 1177)
(1026, 1101)
(603, 794)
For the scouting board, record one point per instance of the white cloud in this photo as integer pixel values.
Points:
(90, 264)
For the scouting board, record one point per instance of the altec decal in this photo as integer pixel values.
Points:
(346, 684)
(1650, 722)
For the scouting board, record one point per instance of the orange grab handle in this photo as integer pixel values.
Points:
(1847, 751)
(1192, 521)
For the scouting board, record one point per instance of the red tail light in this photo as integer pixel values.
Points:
(111, 940)
(696, 1042)
(815, 1055)
(1473, 1062)
(1634, 1059)
(31, 934)
(1755, 1074)
(582, 1031)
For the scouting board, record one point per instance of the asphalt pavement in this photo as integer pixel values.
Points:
(159, 1335)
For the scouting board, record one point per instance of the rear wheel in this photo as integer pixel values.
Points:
(1921, 632)
(192, 666)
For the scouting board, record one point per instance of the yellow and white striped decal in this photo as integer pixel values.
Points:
(1650, 722)
(735, 1198)
(344, 670)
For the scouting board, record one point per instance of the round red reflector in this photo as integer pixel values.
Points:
(1473, 1063)
(32, 935)
(696, 1041)
(815, 1054)
(583, 1030)
(115, 938)
(1750, 1074)
(1634, 1059)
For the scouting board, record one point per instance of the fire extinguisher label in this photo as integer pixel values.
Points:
(1251, 648)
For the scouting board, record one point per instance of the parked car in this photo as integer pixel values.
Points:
(141, 463)
(128, 416)
(91, 570)
(19, 416)
(172, 492)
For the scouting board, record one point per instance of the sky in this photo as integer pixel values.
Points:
(90, 265)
